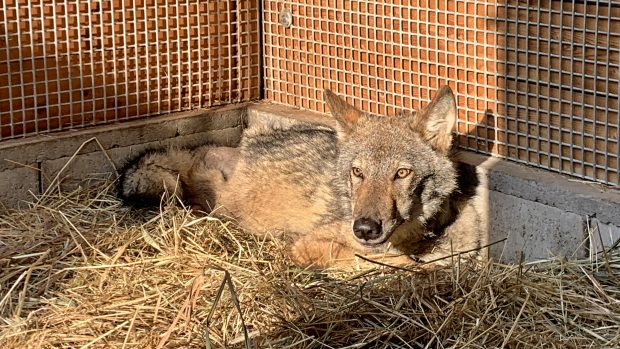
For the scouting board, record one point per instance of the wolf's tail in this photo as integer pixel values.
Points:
(193, 175)
(144, 179)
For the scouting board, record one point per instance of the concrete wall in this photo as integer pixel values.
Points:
(30, 165)
(544, 214)
(541, 214)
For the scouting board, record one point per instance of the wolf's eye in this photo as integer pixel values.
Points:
(357, 172)
(402, 173)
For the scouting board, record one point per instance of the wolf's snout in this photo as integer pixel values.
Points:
(367, 229)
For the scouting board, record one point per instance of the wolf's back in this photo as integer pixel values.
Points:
(303, 152)
(285, 179)
(279, 178)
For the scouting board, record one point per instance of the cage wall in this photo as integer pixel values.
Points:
(69, 64)
(536, 82)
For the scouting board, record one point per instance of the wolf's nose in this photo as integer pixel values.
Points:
(366, 229)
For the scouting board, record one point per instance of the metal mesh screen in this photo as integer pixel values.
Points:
(69, 64)
(536, 82)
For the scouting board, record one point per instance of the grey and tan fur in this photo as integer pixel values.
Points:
(375, 185)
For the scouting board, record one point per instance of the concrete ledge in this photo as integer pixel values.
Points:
(18, 184)
(31, 164)
(56, 145)
(545, 214)
(552, 189)
(262, 114)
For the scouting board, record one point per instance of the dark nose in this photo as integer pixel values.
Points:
(366, 229)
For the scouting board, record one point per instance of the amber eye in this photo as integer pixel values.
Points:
(357, 172)
(402, 173)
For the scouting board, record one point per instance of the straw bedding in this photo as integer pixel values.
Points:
(79, 270)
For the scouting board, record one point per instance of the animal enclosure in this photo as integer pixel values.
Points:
(536, 82)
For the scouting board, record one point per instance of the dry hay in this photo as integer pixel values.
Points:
(79, 270)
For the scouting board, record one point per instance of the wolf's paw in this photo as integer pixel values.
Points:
(308, 256)
(321, 253)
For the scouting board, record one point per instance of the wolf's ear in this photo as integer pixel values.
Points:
(346, 114)
(438, 119)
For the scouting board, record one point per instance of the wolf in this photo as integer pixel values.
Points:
(380, 186)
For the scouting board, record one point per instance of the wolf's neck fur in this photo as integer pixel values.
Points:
(467, 182)
(451, 209)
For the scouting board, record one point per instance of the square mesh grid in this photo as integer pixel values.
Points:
(535, 83)
(69, 64)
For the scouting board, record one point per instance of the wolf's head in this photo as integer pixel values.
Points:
(397, 169)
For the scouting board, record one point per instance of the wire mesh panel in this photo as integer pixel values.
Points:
(536, 82)
(69, 64)
(562, 69)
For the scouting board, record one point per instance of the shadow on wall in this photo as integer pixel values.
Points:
(558, 69)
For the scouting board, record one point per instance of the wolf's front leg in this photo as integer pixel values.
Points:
(321, 252)
(333, 245)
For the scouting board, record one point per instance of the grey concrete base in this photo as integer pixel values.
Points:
(544, 214)
(31, 165)
(536, 230)
(19, 185)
